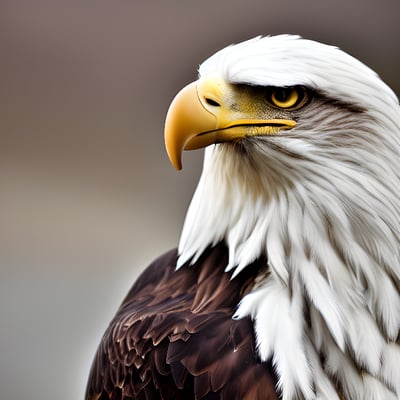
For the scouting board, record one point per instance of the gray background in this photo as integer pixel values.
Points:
(87, 195)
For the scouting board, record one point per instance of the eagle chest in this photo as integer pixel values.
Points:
(174, 337)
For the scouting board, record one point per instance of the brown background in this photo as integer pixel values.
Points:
(87, 196)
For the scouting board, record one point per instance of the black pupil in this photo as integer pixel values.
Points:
(282, 94)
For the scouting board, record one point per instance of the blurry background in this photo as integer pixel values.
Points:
(87, 195)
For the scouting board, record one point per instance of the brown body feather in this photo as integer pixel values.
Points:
(174, 337)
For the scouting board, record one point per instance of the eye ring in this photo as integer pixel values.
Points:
(286, 98)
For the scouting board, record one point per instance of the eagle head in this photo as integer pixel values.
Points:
(302, 166)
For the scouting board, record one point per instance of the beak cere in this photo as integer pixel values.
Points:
(199, 115)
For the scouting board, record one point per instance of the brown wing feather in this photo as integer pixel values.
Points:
(174, 337)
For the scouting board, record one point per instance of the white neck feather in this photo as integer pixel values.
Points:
(328, 313)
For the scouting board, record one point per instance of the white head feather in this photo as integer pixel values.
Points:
(322, 203)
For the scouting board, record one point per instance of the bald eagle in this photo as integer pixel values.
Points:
(286, 281)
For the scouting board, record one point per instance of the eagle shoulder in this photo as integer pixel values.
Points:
(173, 337)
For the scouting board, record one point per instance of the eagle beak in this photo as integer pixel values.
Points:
(200, 115)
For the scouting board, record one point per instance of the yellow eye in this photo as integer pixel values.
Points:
(287, 97)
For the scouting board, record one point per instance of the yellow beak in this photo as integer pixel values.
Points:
(202, 114)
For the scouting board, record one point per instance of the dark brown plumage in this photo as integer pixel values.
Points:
(174, 337)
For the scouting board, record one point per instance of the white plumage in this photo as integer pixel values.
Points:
(322, 202)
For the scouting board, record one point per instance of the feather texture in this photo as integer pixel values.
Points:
(174, 337)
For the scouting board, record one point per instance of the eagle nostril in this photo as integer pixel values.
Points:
(212, 102)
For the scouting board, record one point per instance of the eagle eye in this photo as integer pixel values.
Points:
(287, 97)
